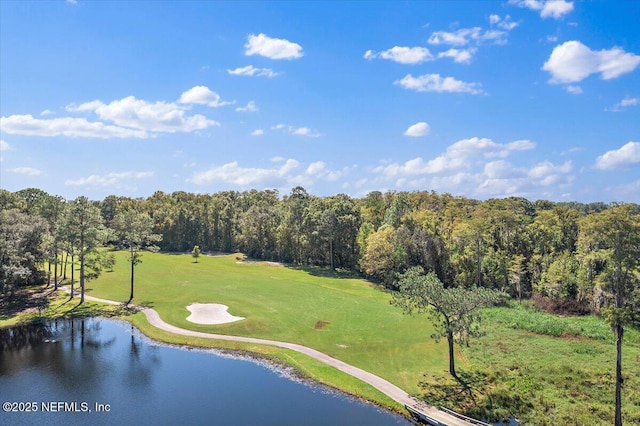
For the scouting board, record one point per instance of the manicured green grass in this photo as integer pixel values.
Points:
(543, 368)
(359, 325)
(302, 364)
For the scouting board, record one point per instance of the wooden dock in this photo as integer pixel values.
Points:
(439, 416)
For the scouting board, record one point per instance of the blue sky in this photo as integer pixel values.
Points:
(484, 99)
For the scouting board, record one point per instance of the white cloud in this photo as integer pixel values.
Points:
(436, 83)
(257, 132)
(572, 61)
(246, 176)
(151, 117)
(548, 172)
(456, 38)
(479, 166)
(202, 95)
(47, 112)
(623, 104)
(283, 174)
(131, 118)
(505, 23)
(298, 131)
(459, 156)
(4, 145)
(629, 102)
(419, 129)
(627, 155)
(519, 145)
(71, 127)
(549, 8)
(574, 90)
(501, 169)
(29, 171)
(110, 179)
(556, 8)
(251, 71)
(305, 131)
(316, 168)
(462, 56)
(273, 48)
(464, 36)
(402, 55)
(251, 107)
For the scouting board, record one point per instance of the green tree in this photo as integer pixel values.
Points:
(560, 280)
(196, 253)
(82, 224)
(291, 232)
(385, 256)
(517, 273)
(610, 240)
(21, 249)
(109, 261)
(455, 311)
(259, 224)
(134, 231)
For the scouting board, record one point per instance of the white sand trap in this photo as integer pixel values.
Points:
(210, 313)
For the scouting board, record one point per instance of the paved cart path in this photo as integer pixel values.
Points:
(379, 383)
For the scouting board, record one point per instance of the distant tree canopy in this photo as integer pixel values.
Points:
(510, 244)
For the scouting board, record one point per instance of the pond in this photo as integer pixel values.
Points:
(99, 372)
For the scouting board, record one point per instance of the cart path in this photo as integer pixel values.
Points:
(379, 383)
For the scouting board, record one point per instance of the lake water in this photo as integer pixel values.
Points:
(105, 372)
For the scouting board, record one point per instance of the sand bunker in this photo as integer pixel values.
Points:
(210, 313)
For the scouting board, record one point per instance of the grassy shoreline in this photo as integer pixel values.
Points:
(61, 307)
(543, 368)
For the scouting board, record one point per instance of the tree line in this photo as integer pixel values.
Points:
(569, 257)
(527, 249)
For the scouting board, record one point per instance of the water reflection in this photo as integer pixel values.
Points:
(109, 362)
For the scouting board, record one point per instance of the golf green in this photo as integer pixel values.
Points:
(349, 319)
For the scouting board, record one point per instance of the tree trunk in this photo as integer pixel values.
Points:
(331, 252)
(452, 363)
(619, 379)
(55, 270)
(72, 275)
(81, 278)
(64, 269)
(132, 268)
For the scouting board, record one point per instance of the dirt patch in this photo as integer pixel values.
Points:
(320, 324)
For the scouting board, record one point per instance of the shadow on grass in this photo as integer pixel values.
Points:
(324, 271)
(23, 299)
(85, 310)
(474, 395)
(462, 393)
